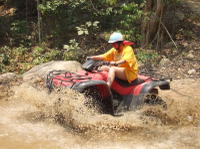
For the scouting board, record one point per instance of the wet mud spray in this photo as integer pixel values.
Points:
(33, 118)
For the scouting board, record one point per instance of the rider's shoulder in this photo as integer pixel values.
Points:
(128, 48)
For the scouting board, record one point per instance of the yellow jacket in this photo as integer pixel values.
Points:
(127, 54)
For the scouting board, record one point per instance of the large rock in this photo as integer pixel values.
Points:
(7, 77)
(165, 62)
(42, 70)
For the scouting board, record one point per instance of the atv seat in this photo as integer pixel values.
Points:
(127, 84)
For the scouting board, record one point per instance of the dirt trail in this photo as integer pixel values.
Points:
(193, 5)
(185, 89)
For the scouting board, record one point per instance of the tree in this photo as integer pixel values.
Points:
(151, 27)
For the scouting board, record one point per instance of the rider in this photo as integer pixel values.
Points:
(123, 63)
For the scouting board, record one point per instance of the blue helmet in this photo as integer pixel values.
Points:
(115, 37)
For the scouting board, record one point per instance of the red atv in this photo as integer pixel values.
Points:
(122, 96)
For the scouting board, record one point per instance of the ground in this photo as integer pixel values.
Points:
(184, 61)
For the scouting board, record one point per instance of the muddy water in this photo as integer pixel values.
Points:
(32, 118)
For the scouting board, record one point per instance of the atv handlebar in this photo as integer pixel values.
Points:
(101, 63)
(91, 64)
(107, 63)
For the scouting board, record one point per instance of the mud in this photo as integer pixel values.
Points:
(33, 118)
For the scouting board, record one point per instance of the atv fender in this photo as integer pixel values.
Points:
(164, 85)
(101, 85)
(132, 102)
(99, 91)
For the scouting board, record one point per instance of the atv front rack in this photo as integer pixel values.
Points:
(60, 78)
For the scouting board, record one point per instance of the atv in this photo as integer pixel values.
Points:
(120, 97)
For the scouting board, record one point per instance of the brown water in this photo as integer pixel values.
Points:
(32, 118)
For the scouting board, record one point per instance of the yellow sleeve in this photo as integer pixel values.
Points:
(129, 56)
(109, 56)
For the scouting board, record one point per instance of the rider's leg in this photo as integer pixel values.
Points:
(104, 68)
(117, 72)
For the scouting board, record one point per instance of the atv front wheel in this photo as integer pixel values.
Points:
(94, 99)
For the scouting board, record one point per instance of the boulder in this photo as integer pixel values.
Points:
(41, 71)
(190, 54)
(191, 71)
(7, 77)
(165, 62)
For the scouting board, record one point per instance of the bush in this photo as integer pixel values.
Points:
(147, 56)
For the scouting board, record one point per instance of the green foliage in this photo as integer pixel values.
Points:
(71, 50)
(110, 2)
(125, 17)
(37, 51)
(147, 56)
(20, 51)
(129, 22)
(4, 59)
(84, 29)
(69, 15)
(50, 7)
(21, 59)
(4, 56)
(72, 45)
(20, 33)
(76, 24)
(53, 55)
(18, 27)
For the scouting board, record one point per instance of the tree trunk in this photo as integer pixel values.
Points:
(151, 26)
(39, 22)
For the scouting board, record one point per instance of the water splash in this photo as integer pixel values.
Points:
(62, 116)
(67, 107)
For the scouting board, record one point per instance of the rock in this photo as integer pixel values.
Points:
(165, 62)
(185, 44)
(191, 71)
(169, 45)
(7, 77)
(42, 70)
(190, 118)
(190, 55)
(141, 65)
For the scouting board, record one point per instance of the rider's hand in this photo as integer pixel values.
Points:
(89, 58)
(113, 63)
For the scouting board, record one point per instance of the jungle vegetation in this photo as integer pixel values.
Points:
(37, 31)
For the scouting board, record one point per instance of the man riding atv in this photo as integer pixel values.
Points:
(123, 63)
(117, 87)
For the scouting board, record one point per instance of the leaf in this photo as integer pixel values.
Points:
(95, 23)
(88, 23)
(65, 47)
(86, 32)
(80, 32)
